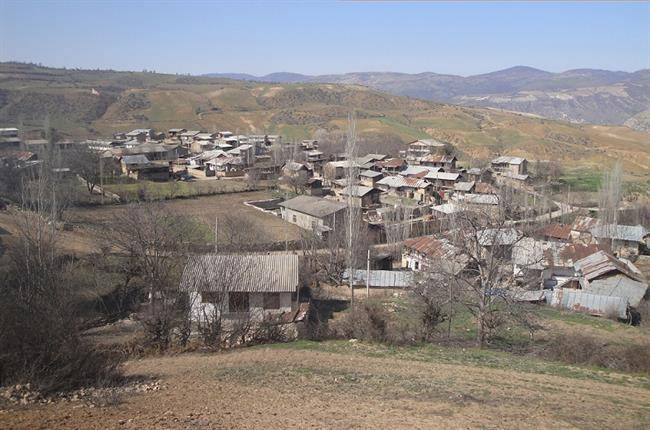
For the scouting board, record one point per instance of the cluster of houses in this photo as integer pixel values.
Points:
(145, 154)
(426, 178)
(585, 266)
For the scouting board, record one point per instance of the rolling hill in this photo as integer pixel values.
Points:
(581, 95)
(126, 100)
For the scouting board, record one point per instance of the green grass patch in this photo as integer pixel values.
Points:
(175, 189)
(470, 357)
(582, 180)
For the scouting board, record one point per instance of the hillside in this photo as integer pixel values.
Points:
(581, 95)
(129, 100)
(336, 385)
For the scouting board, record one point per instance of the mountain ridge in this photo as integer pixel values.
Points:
(577, 95)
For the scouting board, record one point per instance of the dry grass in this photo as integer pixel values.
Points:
(272, 388)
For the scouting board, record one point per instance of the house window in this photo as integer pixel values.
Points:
(416, 265)
(213, 297)
(272, 301)
(295, 219)
(238, 302)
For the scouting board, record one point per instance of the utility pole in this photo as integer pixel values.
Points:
(101, 176)
(368, 275)
(216, 229)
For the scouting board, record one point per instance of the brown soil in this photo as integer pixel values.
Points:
(270, 388)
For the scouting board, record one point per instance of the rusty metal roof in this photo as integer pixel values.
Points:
(241, 273)
(601, 263)
(556, 231)
(431, 246)
(584, 223)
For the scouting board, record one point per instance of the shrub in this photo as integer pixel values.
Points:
(583, 349)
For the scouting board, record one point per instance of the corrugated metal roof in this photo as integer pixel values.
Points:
(357, 190)
(383, 278)
(431, 246)
(556, 230)
(241, 273)
(428, 142)
(391, 163)
(464, 186)
(631, 233)
(370, 174)
(494, 236)
(443, 176)
(602, 263)
(480, 199)
(584, 223)
(505, 159)
(400, 181)
(135, 159)
(313, 206)
(434, 158)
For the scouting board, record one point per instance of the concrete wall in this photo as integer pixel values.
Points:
(255, 302)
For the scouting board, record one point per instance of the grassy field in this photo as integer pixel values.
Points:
(175, 189)
(83, 239)
(338, 384)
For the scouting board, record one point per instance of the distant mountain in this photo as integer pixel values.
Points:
(580, 95)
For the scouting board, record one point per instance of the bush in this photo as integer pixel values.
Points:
(373, 321)
(42, 346)
(588, 350)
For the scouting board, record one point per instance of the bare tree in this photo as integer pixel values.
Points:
(40, 326)
(354, 211)
(397, 226)
(157, 241)
(85, 162)
(477, 268)
(609, 200)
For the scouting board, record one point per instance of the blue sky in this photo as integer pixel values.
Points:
(325, 37)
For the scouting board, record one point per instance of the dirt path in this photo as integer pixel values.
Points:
(272, 388)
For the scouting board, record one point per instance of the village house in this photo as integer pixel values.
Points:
(175, 133)
(314, 214)
(391, 166)
(421, 148)
(140, 134)
(419, 171)
(225, 167)
(153, 151)
(234, 286)
(602, 285)
(556, 232)
(515, 165)
(369, 178)
(337, 169)
(360, 195)
(411, 188)
(464, 187)
(446, 162)
(428, 252)
(622, 240)
(37, 146)
(581, 229)
(246, 152)
(484, 188)
(141, 168)
(442, 180)
(187, 137)
(296, 175)
(9, 138)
